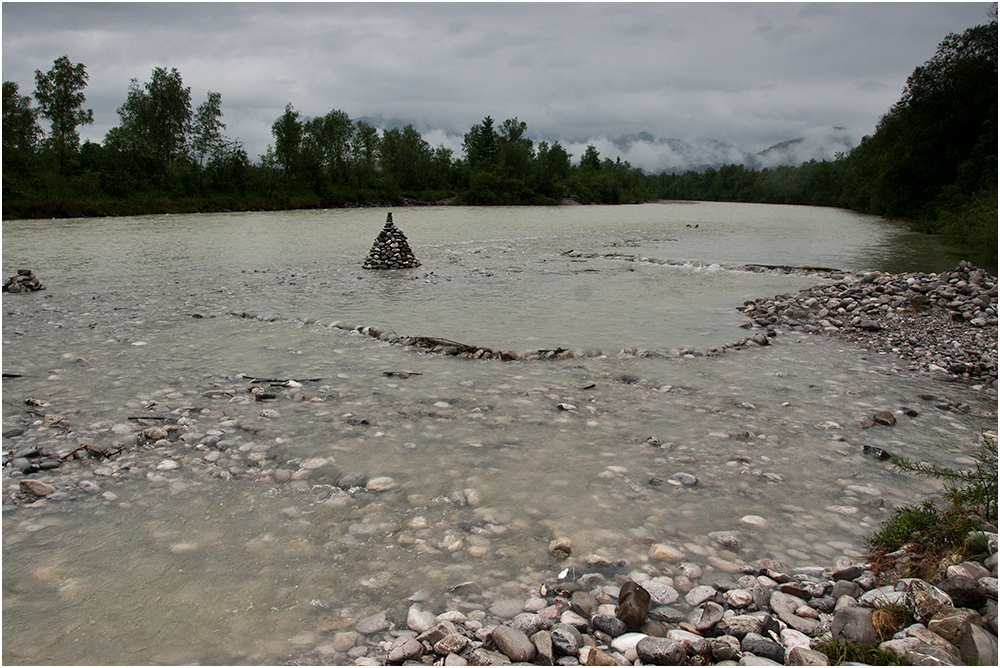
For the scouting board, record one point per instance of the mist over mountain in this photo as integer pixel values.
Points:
(655, 155)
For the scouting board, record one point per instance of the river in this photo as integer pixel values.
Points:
(243, 550)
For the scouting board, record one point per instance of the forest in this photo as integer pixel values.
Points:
(932, 159)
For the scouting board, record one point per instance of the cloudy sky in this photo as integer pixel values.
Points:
(749, 74)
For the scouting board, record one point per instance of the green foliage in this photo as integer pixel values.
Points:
(929, 533)
(971, 491)
(59, 93)
(843, 651)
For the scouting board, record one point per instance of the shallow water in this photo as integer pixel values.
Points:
(194, 566)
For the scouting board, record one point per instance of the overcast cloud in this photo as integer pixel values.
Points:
(747, 74)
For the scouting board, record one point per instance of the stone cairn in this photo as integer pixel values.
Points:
(25, 281)
(390, 250)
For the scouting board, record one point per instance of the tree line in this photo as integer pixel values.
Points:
(166, 155)
(932, 158)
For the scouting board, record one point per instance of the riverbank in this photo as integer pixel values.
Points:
(938, 323)
(597, 613)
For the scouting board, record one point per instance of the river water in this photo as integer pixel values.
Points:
(262, 559)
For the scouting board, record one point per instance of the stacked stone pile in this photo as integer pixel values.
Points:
(943, 322)
(24, 281)
(391, 250)
(764, 615)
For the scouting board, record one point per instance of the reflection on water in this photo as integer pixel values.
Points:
(193, 565)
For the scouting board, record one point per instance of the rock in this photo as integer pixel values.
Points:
(545, 654)
(846, 588)
(699, 595)
(529, 623)
(380, 484)
(404, 649)
(391, 250)
(155, 433)
(969, 569)
(352, 480)
(848, 573)
(855, 625)
(803, 656)
(725, 648)
(738, 598)
(884, 418)
(928, 655)
(453, 643)
(419, 620)
(36, 487)
(373, 624)
(760, 646)
(608, 624)
(791, 638)
(924, 600)
(513, 643)
(786, 607)
(566, 639)
(437, 632)
(627, 641)
(949, 622)
(977, 647)
(574, 620)
(660, 593)
(685, 479)
(592, 656)
(693, 643)
(583, 603)
(964, 591)
(740, 625)
(507, 608)
(666, 552)
(561, 547)
(900, 646)
(660, 651)
(707, 615)
(633, 604)
(23, 281)
(485, 657)
(928, 637)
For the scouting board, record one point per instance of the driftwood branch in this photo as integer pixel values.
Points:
(87, 447)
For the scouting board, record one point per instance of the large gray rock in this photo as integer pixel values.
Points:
(633, 604)
(949, 623)
(725, 648)
(373, 624)
(566, 639)
(453, 643)
(706, 616)
(784, 606)
(964, 591)
(739, 625)
(613, 626)
(660, 593)
(978, 647)
(546, 654)
(855, 625)
(661, 651)
(529, 623)
(928, 655)
(485, 657)
(924, 600)
(846, 588)
(404, 649)
(513, 643)
(803, 656)
(758, 645)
